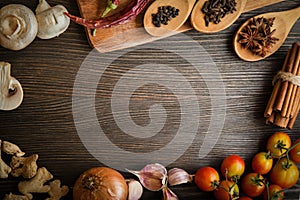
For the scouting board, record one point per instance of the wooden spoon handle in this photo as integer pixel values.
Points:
(252, 5)
(291, 17)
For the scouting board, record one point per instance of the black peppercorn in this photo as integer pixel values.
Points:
(164, 15)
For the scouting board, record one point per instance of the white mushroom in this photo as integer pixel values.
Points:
(11, 92)
(18, 26)
(51, 20)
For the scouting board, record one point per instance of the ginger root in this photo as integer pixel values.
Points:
(36, 184)
(11, 196)
(4, 168)
(25, 166)
(57, 191)
(12, 149)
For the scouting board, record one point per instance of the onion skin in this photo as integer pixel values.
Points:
(100, 183)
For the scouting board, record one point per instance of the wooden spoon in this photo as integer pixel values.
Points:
(283, 23)
(198, 22)
(185, 7)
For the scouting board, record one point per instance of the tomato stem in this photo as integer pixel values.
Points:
(258, 181)
(287, 165)
(215, 184)
(267, 189)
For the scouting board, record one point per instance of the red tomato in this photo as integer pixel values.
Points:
(295, 152)
(262, 163)
(233, 167)
(275, 192)
(226, 191)
(205, 178)
(277, 142)
(284, 173)
(244, 198)
(253, 184)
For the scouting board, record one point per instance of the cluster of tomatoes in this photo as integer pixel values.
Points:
(273, 171)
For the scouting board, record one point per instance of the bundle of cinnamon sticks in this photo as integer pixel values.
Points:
(284, 103)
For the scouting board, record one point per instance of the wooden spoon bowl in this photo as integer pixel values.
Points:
(185, 7)
(283, 23)
(198, 22)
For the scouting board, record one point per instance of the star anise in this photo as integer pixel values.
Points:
(257, 36)
(248, 38)
(261, 50)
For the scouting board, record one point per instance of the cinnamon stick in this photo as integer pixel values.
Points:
(295, 87)
(292, 121)
(281, 121)
(271, 102)
(284, 86)
(291, 86)
(270, 119)
(284, 103)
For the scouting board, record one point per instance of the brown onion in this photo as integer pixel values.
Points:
(100, 183)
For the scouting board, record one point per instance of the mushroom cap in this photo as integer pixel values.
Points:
(52, 22)
(10, 101)
(18, 26)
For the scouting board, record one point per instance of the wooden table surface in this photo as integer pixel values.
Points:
(48, 121)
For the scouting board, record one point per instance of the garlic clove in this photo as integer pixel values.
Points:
(152, 176)
(169, 194)
(135, 189)
(178, 176)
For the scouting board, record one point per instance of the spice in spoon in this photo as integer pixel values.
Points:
(257, 36)
(164, 15)
(215, 10)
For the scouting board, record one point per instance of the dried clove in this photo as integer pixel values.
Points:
(152, 176)
(214, 10)
(178, 176)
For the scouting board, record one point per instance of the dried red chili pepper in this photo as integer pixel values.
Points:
(128, 13)
(111, 5)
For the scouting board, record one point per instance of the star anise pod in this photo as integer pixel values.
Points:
(248, 37)
(257, 36)
(262, 49)
(256, 23)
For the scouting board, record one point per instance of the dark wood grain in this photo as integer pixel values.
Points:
(47, 70)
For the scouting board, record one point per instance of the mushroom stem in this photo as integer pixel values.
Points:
(11, 92)
(12, 26)
(4, 80)
(42, 6)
